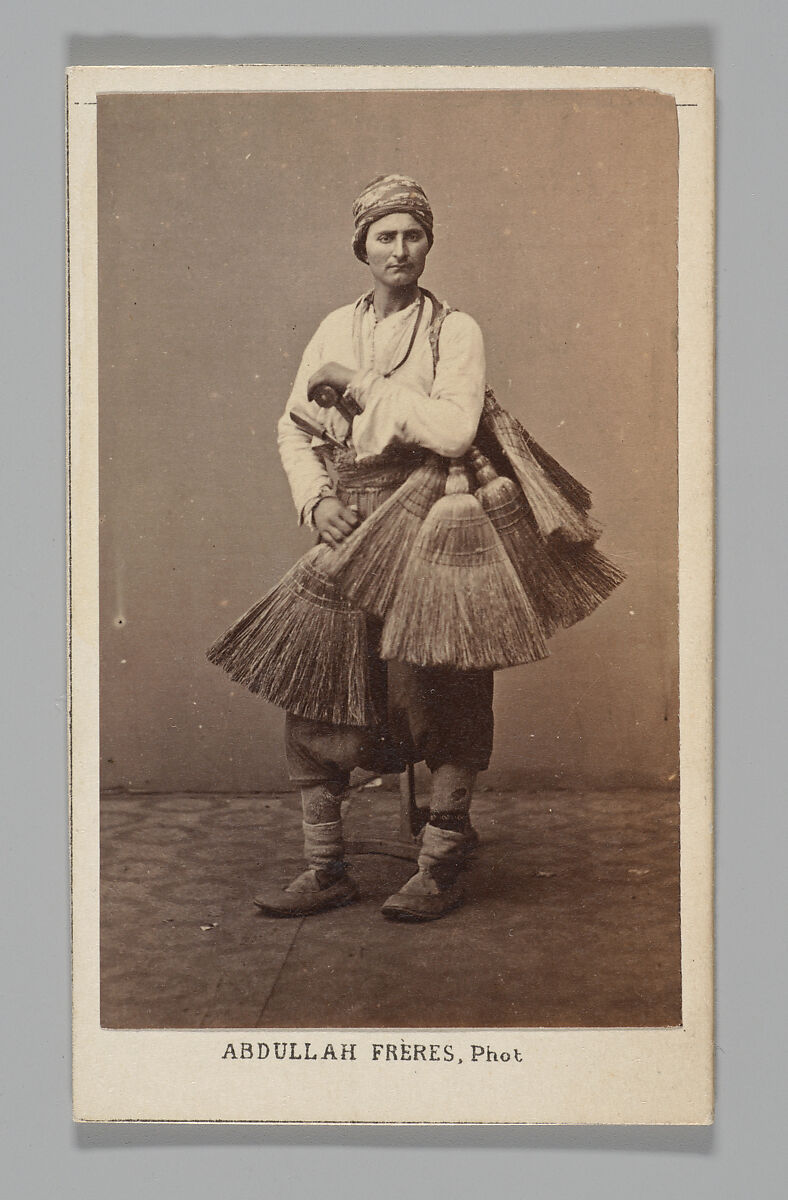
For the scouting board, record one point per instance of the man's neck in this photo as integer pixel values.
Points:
(391, 300)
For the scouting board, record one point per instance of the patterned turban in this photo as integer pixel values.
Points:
(385, 195)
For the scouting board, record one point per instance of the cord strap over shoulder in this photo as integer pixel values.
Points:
(440, 312)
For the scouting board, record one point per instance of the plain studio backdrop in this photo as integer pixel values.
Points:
(224, 238)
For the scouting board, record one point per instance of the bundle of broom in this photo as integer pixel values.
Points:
(460, 603)
(565, 581)
(368, 566)
(303, 647)
(558, 502)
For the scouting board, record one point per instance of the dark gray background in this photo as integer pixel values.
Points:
(744, 1154)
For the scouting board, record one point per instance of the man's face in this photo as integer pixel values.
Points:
(397, 249)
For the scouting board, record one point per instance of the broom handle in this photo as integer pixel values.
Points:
(481, 466)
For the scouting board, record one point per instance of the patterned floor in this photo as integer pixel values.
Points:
(572, 918)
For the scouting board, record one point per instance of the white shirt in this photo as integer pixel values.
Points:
(439, 410)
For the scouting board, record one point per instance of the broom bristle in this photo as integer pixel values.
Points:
(574, 491)
(553, 511)
(368, 566)
(504, 505)
(460, 603)
(564, 581)
(587, 578)
(303, 647)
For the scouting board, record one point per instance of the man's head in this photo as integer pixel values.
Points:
(384, 196)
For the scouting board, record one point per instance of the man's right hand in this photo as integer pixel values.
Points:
(333, 521)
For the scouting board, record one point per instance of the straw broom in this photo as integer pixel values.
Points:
(303, 647)
(369, 564)
(553, 510)
(503, 501)
(460, 603)
(564, 581)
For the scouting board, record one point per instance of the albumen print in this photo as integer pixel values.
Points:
(385, 452)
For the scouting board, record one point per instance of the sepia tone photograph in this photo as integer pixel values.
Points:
(388, 554)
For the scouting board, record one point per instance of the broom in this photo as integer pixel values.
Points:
(368, 565)
(303, 647)
(554, 509)
(460, 603)
(565, 582)
(503, 501)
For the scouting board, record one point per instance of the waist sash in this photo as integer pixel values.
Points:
(365, 485)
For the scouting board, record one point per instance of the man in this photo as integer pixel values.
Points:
(379, 354)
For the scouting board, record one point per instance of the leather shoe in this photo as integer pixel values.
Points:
(311, 892)
(424, 898)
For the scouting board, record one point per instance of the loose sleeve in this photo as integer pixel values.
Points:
(445, 421)
(304, 467)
